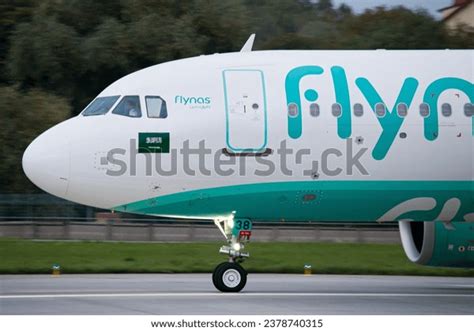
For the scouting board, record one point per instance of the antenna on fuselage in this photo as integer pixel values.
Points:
(248, 44)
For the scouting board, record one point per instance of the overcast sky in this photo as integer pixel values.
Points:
(431, 5)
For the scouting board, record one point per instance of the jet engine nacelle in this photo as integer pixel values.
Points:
(439, 244)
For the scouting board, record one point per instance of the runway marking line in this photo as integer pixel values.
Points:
(236, 295)
(463, 286)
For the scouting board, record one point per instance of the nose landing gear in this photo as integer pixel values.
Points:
(231, 276)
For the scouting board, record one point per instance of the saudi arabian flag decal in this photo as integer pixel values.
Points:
(153, 142)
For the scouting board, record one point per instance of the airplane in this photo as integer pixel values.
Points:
(280, 136)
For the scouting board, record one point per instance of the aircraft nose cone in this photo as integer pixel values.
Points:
(46, 162)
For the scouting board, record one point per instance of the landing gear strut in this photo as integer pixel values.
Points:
(230, 276)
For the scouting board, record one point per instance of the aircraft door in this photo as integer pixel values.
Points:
(246, 110)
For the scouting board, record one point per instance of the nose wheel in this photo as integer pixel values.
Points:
(231, 276)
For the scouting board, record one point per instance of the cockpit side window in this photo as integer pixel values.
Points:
(129, 106)
(100, 106)
(156, 107)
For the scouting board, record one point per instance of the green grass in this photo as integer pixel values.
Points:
(27, 256)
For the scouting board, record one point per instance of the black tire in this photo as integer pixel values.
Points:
(229, 277)
(216, 272)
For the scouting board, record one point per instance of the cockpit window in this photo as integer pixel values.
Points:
(100, 106)
(156, 107)
(129, 106)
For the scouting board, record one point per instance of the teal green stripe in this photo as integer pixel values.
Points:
(335, 200)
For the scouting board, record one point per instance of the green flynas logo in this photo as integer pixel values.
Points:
(390, 123)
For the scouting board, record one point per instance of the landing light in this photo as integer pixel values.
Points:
(236, 246)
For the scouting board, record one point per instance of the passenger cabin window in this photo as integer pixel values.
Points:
(292, 110)
(314, 109)
(469, 109)
(358, 110)
(156, 107)
(129, 106)
(446, 109)
(380, 110)
(100, 106)
(336, 110)
(424, 110)
(402, 110)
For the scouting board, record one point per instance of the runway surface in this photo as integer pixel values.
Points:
(175, 294)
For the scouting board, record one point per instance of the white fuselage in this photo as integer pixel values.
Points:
(240, 102)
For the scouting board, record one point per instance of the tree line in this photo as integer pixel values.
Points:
(57, 55)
